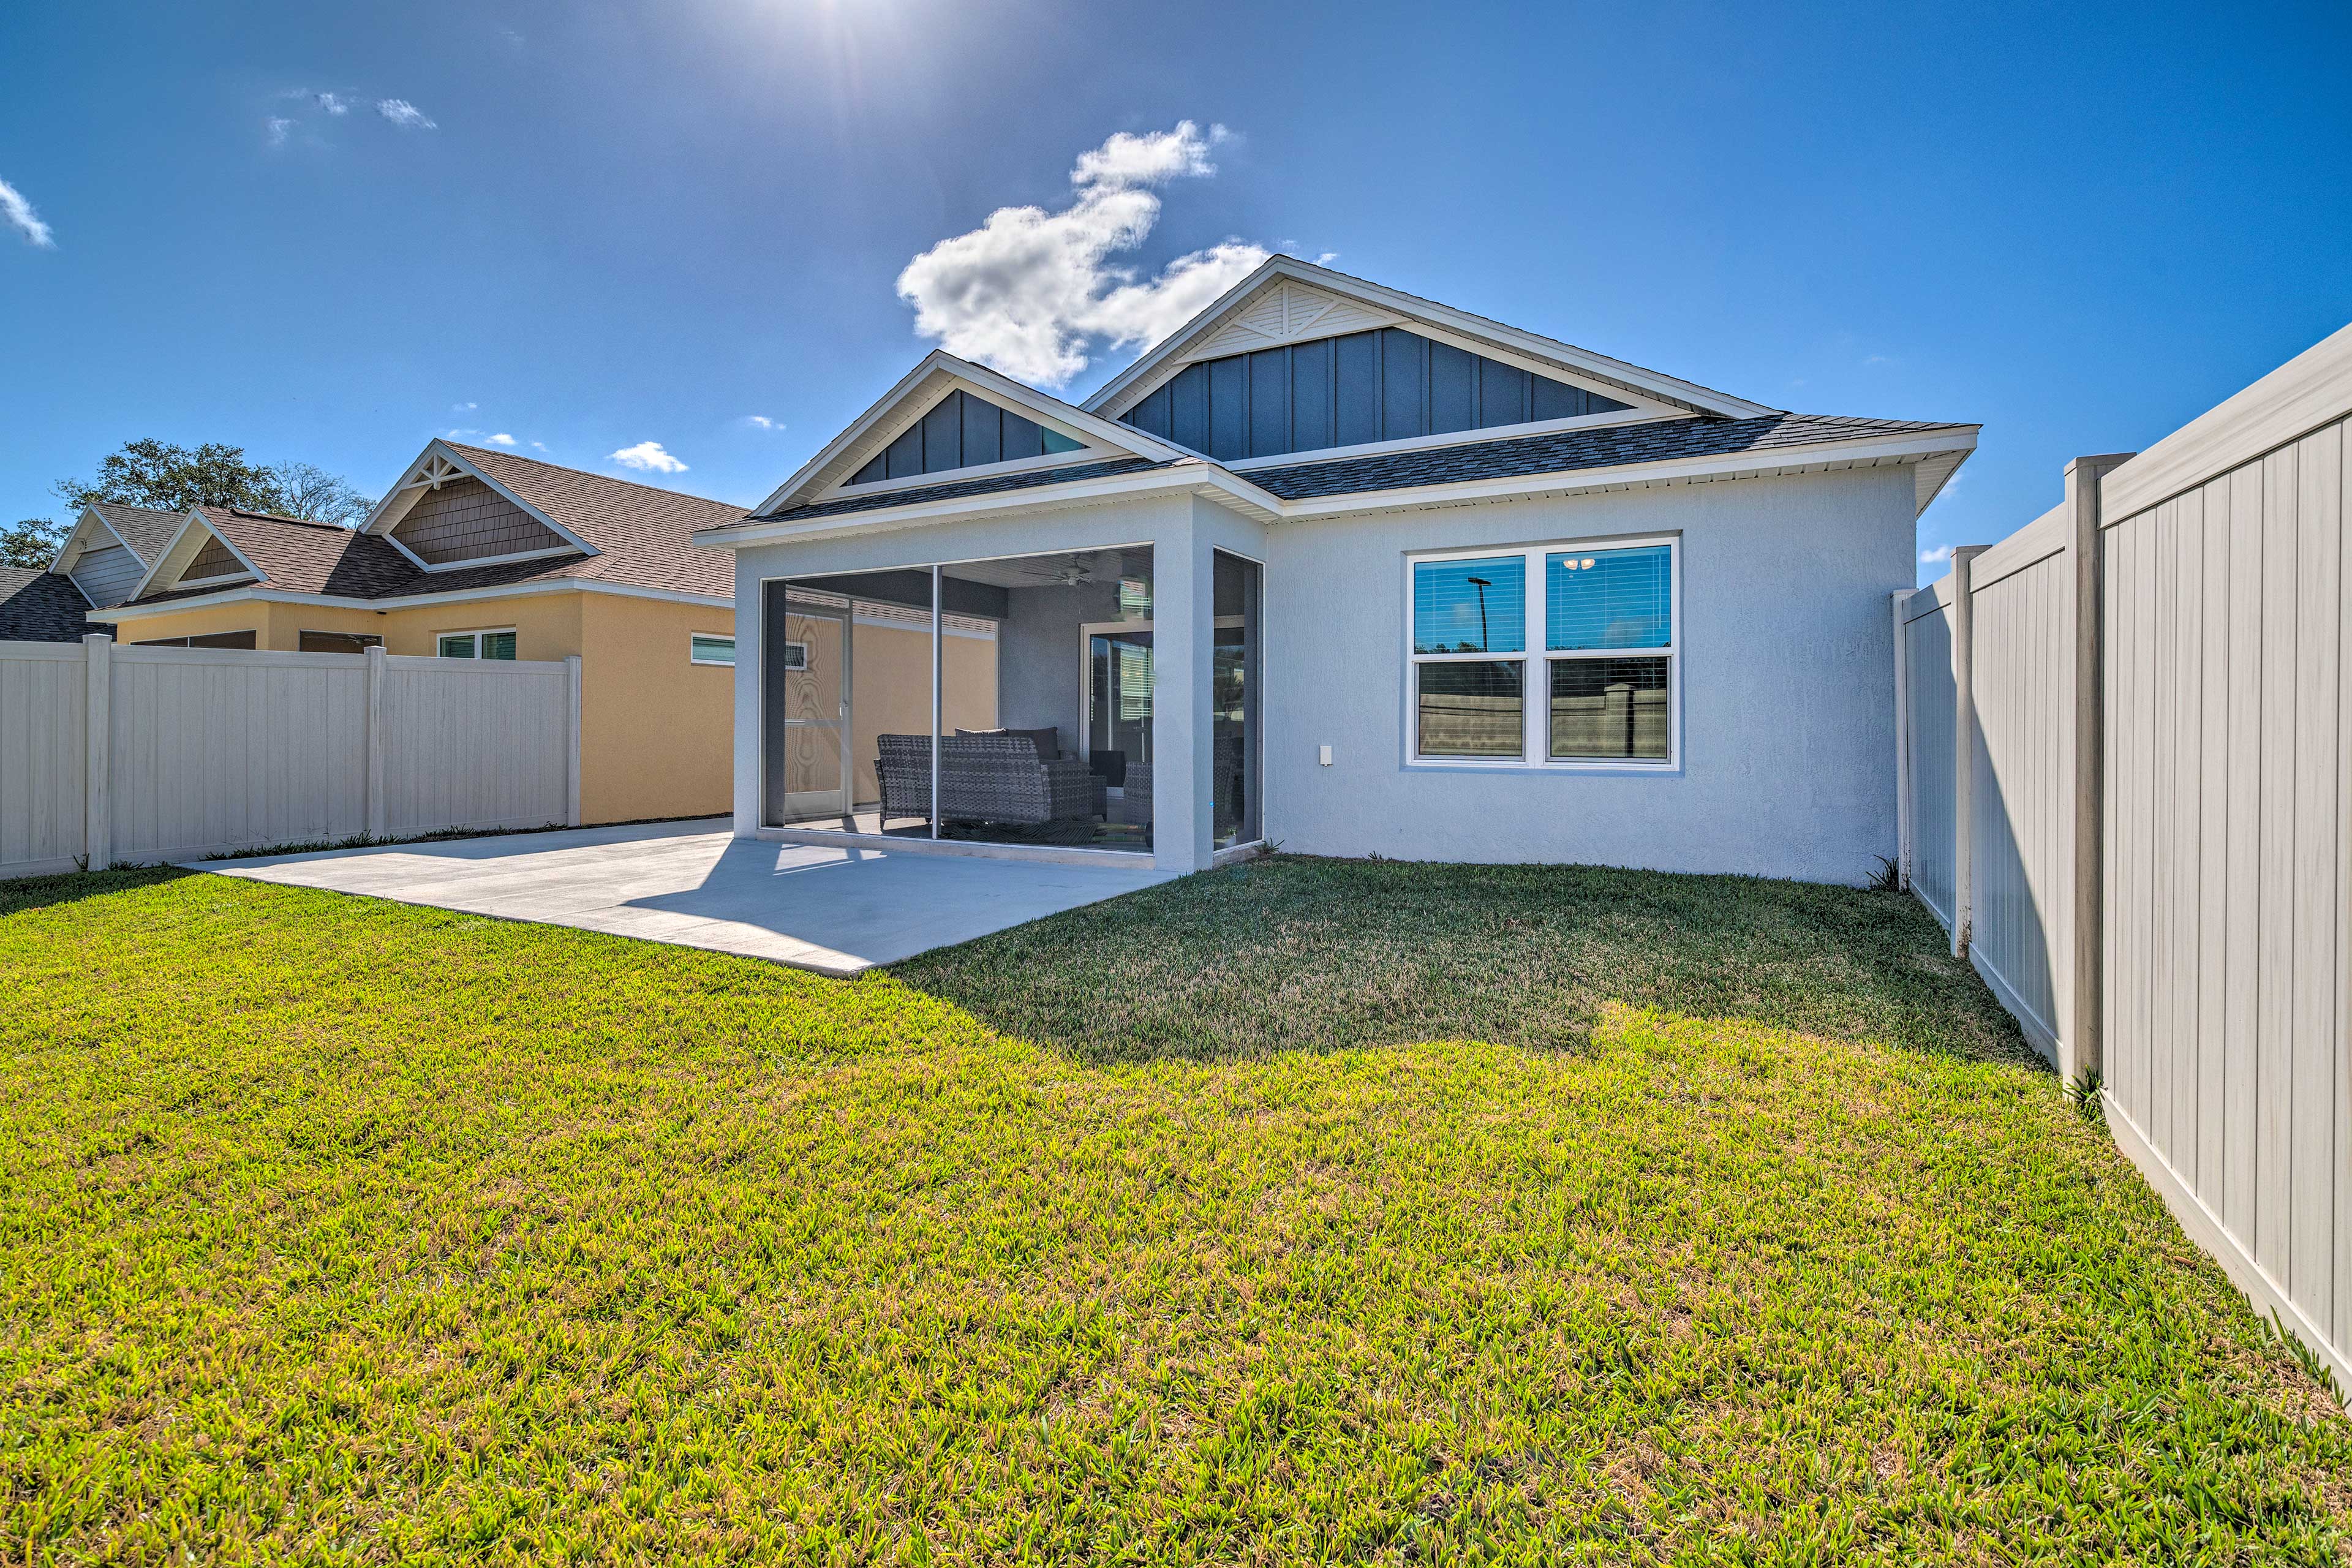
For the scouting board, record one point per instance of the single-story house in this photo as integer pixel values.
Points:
(1344, 570)
(475, 554)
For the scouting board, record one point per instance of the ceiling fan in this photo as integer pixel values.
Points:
(1078, 570)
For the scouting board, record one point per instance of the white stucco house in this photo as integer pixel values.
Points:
(1340, 569)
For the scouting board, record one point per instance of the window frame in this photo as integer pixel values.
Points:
(1535, 660)
(365, 639)
(477, 635)
(727, 637)
(795, 645)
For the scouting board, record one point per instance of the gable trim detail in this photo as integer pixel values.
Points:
(437, 465)
(178, 555)
(889, 417)
(1481, 335)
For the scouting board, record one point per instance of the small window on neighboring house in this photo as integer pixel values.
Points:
(796, 655)
(247, 640)
(336, 642)
(476, 645)
(708, 648)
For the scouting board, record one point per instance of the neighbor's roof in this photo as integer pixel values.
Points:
(39, 605)
(148, 532)
(643, 536)
(1609, 447)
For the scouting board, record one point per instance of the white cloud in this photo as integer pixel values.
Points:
(502, 439)
(332, 103)
(539, 445)
(403, 113)
(647, 456)
(1029, 291)
(761, 422)
(1936, 556)
(18, 214)
(277, 127)
(463, 407)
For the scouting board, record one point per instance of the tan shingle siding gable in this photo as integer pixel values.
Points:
(468, 521)
(215, 559)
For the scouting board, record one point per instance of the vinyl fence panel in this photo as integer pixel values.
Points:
(2021, 834)
(2228, 1069)
(1927, 733)
(43, 701)
(202, 751)
(475, 744)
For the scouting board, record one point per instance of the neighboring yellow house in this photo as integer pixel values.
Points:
(484, 554)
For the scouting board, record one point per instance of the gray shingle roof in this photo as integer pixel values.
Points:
(1563, 452)
(41, 607)
(1031, 479)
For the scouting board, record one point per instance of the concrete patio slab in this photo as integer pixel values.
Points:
(833, 910)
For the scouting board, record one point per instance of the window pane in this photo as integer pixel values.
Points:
(1470, 607)
(1469, 710)
(1613, 708)
(497, 644)
(713, 650)
(461, 645)
(1608, 598)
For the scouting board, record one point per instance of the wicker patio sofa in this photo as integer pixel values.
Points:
(983, 779)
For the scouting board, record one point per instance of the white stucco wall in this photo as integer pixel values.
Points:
(1787, 750)
(1787, 763)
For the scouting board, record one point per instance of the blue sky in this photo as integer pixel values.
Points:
(593, 227)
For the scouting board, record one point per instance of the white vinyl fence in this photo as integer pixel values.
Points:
(110, 754)
(2127, 766)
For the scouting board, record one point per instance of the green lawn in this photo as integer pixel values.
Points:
(1301, 1211)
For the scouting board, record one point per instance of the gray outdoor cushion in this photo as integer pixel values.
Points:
(1047, 740)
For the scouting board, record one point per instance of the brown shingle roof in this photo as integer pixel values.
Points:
(643, 537)
(147, 532)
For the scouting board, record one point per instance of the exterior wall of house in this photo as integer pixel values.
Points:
(1787, 666)
(1786, 669)
(655, 727)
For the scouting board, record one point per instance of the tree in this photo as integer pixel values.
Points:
(308, 491)
(162, 477)
(31, 542)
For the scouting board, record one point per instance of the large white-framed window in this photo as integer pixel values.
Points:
(1564, 656)
(497, 642)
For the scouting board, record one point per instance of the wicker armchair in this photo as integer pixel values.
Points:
(983, 778)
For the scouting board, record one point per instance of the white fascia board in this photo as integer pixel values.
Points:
(1204, 478)
(254, 594)
(1862, 452)
(1094, 430)
(1677, 392)
(387, 516)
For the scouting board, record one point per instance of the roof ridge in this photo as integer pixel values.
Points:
(587, 473)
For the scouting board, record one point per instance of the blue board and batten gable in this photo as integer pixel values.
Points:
(1387, 384)
(961, 431)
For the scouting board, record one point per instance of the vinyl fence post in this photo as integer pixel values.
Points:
(97, 758)
(2081, 1048)
(1902, 743)
(1964, 746)
(378, 812)
(572, 755)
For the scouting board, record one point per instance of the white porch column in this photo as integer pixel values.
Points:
(1183, 598)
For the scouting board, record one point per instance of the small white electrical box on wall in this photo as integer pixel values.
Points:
(1326, 756)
